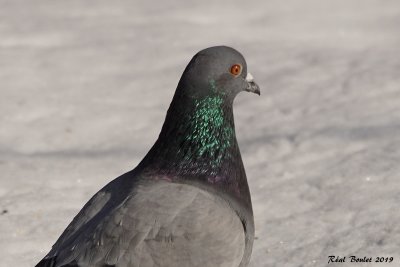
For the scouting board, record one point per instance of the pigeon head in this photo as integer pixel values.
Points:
(218, 70)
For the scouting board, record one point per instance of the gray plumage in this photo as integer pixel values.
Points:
(188, 202)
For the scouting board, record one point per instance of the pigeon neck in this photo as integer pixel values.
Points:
(198, 144)
(198, 137)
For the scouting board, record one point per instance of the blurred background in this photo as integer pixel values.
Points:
(85, 85)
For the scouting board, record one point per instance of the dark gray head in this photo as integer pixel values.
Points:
(218, 69)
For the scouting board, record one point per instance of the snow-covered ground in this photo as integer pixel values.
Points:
(84, 87)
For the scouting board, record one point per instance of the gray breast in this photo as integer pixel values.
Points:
(161, 224)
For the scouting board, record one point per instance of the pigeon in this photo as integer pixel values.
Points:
(187, 203)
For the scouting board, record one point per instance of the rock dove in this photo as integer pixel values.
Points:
(187, 203)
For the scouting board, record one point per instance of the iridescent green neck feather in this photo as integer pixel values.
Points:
(208, 130)
(198, 135)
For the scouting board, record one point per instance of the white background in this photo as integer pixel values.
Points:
(84, 87)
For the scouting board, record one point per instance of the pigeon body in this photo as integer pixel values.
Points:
(187, 203)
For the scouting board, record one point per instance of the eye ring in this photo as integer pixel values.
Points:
(236, 69)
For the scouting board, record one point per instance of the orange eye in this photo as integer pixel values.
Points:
(236, 69)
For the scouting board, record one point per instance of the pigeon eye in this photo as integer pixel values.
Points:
(236, 69)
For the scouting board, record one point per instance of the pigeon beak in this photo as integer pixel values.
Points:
(251, 85)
